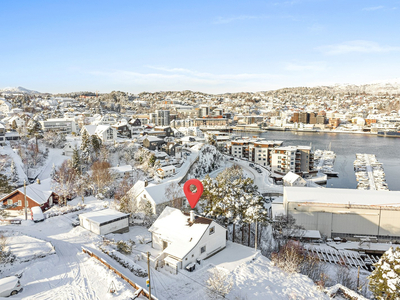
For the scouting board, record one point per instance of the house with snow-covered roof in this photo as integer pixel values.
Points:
(292, 179)
(185, 239)
(105, 133)
(39, 194)
(156, 196)
(165, 171)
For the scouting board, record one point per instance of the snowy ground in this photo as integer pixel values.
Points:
(71, 274)
(55, 158)
(252, 274)
(27, 248)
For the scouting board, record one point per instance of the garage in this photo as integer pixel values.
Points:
(105, 221)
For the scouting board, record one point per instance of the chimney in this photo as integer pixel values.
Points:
(38, 181)
(191, 216)
(146, 183)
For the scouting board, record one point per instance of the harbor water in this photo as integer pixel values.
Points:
(387, 151)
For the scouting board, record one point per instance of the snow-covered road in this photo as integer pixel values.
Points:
(68, 274)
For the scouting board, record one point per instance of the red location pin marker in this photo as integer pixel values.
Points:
(193, 198)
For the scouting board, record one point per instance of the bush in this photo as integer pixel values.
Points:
(124, 247)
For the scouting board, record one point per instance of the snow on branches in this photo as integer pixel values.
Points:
(209, 160)
(232, 198)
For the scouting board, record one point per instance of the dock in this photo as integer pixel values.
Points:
(324, 160)
(369, 173)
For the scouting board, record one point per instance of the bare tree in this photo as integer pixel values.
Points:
(173, 193)
(285, 228)
(101, 176)
(218, 284)
(65, 181)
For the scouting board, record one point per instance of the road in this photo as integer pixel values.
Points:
(64, 275)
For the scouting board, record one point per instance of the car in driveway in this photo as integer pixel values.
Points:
(10, 286)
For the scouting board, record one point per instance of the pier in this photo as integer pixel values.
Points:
(369, 173)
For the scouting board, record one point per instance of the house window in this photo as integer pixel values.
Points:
(9, 202)
(212, 230)
(203, 249)
(19, 202)
(110, 134)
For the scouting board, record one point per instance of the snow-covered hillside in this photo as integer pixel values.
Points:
(17, 90)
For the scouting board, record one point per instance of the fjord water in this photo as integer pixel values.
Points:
(345, 145)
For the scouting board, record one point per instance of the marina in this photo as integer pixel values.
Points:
(369, 173)
(324, 160)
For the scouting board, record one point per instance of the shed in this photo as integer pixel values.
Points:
(105, 221)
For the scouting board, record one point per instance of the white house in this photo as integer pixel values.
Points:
(70, 146)
(106, 133)
(292, 179)
(165, 171)
(184, 239)
(158, 196)
(5, 106)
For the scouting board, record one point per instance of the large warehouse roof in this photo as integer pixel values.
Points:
(342, 196)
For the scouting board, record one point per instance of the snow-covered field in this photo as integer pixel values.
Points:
(71, 274)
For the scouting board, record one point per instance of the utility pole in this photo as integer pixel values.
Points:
(256, 237)
(148, 271)
(26, 212)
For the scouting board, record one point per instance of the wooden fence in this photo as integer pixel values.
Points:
(138, 288)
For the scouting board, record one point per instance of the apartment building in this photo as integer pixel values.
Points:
(65, 125)
(296, 159)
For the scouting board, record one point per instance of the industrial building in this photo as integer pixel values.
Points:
(345, 213)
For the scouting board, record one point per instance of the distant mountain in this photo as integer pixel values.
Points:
(380, 87)
(17, 90)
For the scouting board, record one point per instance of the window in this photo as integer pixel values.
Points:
(212, 230)
(203, 249)
(19, 202)
(9, 202)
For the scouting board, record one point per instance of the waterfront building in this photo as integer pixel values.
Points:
(345, 213)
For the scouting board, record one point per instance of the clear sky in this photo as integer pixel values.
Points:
(209, 46)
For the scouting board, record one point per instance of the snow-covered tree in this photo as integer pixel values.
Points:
(232, 198)
(384, 282)
(76, 160)
(85, 148)
(218, 284)
(14, 178)
(64, 181)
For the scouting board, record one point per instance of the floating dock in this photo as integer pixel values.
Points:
(324, 160)
(369, 173)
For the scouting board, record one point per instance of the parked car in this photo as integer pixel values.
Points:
(10, 286)
(251, 165)
(37, 214)
(231, 158)
(75, 222)
(258, 170)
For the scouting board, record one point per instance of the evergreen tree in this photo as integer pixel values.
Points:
(85, 147)
(96, 143)
(152, 160)
(14, 178)
(384, 282)
(53, 172)
(76, 161)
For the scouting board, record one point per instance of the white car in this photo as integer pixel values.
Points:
(10, 286)
(37, 214)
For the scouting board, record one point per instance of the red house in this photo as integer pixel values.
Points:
(37, 194)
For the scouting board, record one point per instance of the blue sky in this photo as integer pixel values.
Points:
(209, 46)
